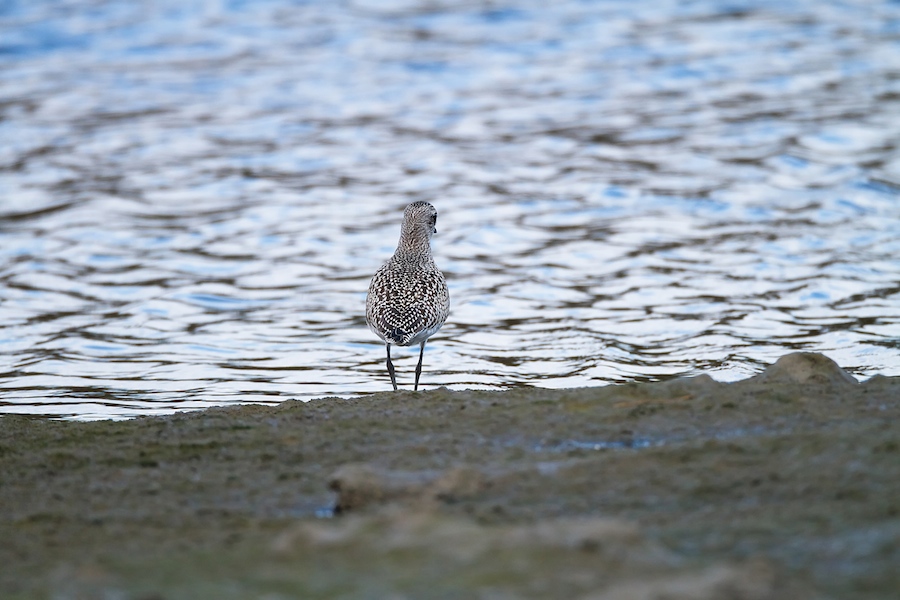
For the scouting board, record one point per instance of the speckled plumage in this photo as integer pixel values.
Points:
(408, 300)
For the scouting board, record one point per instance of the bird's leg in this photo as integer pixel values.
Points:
(419, 366)
(390, 367)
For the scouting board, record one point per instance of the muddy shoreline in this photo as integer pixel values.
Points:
(784, 485)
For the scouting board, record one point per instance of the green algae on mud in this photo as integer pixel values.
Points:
(784, 485)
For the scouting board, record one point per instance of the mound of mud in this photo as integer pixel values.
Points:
(784, 485)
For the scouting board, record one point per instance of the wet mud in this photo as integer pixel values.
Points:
(784, 485)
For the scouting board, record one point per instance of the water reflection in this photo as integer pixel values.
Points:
(194, 198)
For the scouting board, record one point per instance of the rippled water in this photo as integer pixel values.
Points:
(193, 196)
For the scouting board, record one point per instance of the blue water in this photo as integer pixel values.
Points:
(193, 196)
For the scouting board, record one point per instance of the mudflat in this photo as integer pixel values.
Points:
(784, 485)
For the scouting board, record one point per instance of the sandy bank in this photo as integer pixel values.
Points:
(784, 485)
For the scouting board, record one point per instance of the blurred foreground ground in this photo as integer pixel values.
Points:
(784, 485)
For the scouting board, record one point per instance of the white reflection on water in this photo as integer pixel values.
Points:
(194, 197)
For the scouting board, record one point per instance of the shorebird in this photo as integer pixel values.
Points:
(408, 299)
